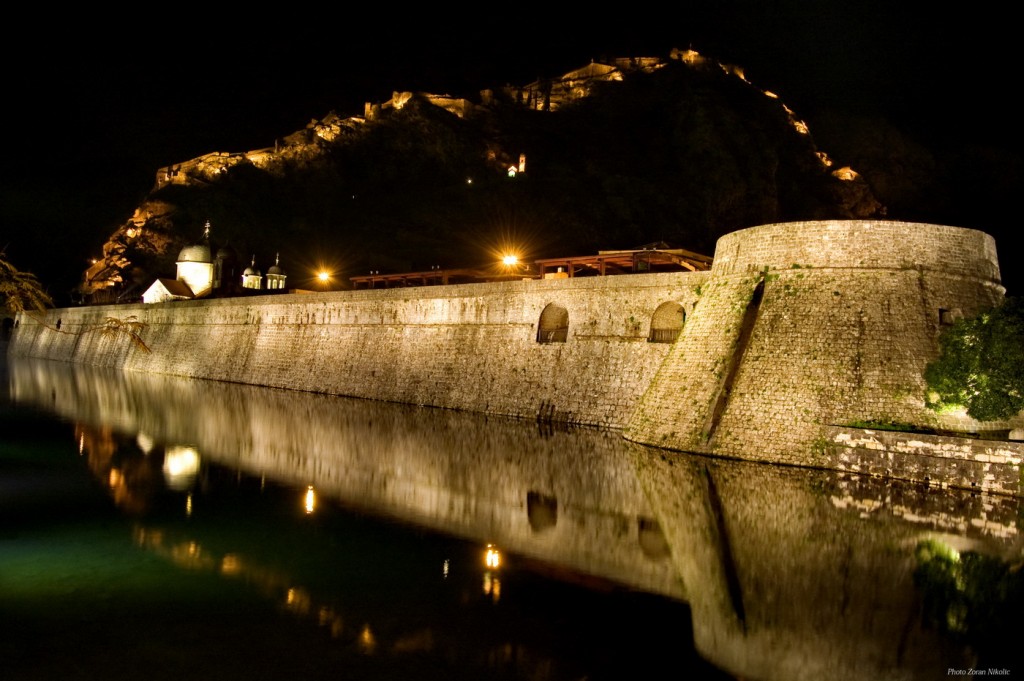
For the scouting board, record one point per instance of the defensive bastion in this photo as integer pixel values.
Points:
(799, 332)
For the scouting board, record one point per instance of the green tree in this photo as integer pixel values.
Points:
(19, 290)
(981, 364)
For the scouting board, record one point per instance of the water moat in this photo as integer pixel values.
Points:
(177, 527)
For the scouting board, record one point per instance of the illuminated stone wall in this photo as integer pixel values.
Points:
(470, 347)
(797, 328)
(848, 318)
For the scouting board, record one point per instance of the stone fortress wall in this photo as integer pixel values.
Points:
(798, 334)
(815, 323)
(471, 347)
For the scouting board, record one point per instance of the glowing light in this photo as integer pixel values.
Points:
(188, 506)
(492, 586)
(323, 276)
(310, 499)
(845, 173)
(230, 565)
(690, 56)
(181, 465)
(298, 600)
(510, 260)
(115, 477)
(444, 568)
(191, 555)
(367, 641)
(492, 559)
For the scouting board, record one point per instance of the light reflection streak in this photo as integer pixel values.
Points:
(277, 585)
(492, 583)
(299, 601)
(492, 559)
(367, 641)
(492, 586)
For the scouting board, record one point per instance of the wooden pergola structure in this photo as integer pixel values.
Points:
(437, 277)
(626, 262)
(603, 264)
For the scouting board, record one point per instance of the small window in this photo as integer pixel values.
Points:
(554, 325)
(949, 317)
(666, 323)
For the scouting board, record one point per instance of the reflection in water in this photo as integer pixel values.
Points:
(275, 584)
(181, 465)
(789, 573)
(801, 577)
(450, 471)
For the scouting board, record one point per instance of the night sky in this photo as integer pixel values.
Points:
(92, 114)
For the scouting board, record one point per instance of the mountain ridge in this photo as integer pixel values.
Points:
(615, 154)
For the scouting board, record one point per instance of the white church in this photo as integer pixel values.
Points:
(201, 274)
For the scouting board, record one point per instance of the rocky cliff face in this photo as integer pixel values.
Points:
(678, 150)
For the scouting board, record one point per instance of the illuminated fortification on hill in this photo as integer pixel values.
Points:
(542, 95)
(105, 280)
(799, 335)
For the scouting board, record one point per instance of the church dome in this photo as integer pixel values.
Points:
(225, 252)
(251, 271)
(195, 253)
(276, 267)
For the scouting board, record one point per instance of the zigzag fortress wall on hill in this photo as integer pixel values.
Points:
(798, 329)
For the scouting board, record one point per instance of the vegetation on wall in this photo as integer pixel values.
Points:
(22, 292)
(981, 364)
(19, 290)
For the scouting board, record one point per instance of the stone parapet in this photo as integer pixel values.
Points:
(940, 461)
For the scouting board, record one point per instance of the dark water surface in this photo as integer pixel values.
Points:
(154, 527)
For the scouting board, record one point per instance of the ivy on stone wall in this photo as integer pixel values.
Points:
(981, 364)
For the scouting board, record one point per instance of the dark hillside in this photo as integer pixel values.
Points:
(680, 155)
